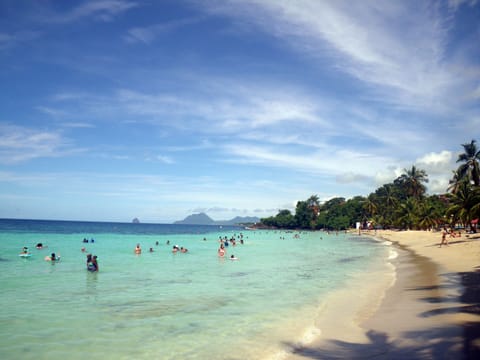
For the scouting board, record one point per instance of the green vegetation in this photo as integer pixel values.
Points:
(401, 204)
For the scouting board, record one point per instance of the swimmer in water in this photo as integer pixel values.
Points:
(95, 263)
(92, 264)
(138, 249)
(221, 251)
(53, 257)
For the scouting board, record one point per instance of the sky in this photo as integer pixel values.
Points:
(115, 109)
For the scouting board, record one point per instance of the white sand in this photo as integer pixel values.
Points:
(420, 317)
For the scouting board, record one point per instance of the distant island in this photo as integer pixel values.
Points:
(204, 219)
(135, 221)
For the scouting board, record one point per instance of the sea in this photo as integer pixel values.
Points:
(165, 305)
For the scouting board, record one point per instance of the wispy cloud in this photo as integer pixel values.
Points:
(270, 126)
(100, 10)
(226, 108)
(374, 42)
(18, 144)
(148, 34)
(8, 40)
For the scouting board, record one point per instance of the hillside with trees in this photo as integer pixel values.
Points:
(402, 204)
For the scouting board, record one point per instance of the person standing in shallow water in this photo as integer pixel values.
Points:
(221, 251)
(92, 264)
(95, 263)
(138, 249)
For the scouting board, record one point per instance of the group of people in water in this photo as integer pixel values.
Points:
(92, 263)
(92, 260)
(225, 243)
(175, 248)
(25, 253)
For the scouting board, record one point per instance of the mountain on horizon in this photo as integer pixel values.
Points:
(196, 219)
(204, 219)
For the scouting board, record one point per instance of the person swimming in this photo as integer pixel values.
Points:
(53, 257)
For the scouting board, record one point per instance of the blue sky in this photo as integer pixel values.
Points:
(115, 109)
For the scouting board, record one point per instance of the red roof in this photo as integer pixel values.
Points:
(475, 221)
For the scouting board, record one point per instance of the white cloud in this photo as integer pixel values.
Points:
(8, 40)
(376, 42)
(455, 4)
(18, 144)
(103, 10)
(148, 34)
(437, 162)
(165, 159)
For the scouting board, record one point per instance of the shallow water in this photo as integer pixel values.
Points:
(164, 305)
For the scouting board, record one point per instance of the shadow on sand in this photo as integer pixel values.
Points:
(437, 343)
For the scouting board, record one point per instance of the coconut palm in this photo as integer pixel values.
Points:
(387, 202)
(454, 183)
(470, 168)
(370, 206)
(407, 213)
(464, 203)
(428, 215)
(314, 204)
(412, 181)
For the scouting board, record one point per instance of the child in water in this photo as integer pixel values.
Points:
(92, 264)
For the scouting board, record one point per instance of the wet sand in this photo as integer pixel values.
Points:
(432, 311)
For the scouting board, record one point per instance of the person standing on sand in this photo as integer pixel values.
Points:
(444, 238)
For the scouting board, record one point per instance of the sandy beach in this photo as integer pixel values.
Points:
(432, 310)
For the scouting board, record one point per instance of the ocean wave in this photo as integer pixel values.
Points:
(393, 254)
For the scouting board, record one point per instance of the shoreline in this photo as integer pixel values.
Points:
(432, 311)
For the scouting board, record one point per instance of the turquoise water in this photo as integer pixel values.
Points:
(168, 306)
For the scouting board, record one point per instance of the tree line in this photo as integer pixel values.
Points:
(402, 204)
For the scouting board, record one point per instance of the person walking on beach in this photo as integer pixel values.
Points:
(444, 237)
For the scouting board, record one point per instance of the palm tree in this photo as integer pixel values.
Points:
(428, 215)
(470, 168)
(454, 183)
(314, 204)
(370, 206)
(387, 202)
(412, 181)
(407, 213)
(464, 203)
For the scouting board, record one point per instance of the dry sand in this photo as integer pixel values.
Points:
(431, 312)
